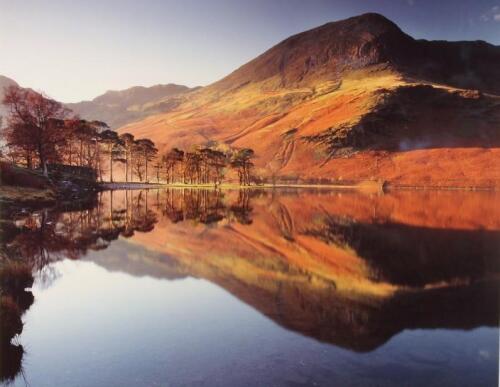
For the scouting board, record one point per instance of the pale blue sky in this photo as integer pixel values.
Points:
(77, 50)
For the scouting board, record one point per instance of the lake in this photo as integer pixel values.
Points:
(193, 287)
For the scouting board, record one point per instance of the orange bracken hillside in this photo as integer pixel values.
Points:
(353, 100)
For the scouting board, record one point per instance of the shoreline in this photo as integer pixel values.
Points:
(371, 186)
(117, 186)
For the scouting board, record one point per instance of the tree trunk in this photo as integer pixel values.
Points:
(81, 153)
(111, 166)
(29, 162)
(45, 169)
(98, 161)
(126, 166)
(43, 161)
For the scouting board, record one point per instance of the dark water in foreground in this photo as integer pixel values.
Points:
(248, 288)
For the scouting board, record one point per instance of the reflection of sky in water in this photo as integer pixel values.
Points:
(93, 327)
(263, 288)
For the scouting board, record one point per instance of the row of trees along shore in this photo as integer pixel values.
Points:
(41, 132)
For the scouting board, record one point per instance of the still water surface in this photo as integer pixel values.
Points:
(249, 288)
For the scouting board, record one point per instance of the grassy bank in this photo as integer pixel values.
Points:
(26, 196)
(22, 186)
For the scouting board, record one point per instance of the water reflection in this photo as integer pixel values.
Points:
(414, 256)
(351, 269)
(14, 301)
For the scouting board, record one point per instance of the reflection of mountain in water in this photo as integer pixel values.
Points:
(416, 256)
(347, 269)
(316, 269)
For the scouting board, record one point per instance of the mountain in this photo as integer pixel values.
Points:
(356, 99)
(326, 52)
(118, 108)
(4, 82)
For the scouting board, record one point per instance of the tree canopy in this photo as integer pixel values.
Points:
(41, 132)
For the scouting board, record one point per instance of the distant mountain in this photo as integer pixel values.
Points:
(355, 99)
(118, 108)
(4, 82)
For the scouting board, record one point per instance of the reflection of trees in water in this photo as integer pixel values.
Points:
(241, 210)
(204, 206)
(415, 256)
(56, 235)
(41, 237)
(48, 235)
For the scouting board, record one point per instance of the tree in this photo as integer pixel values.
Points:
(147, 148)
(213, 163)
(128, 144)
(218, 161)
(86, 135)
(204, 165)
(138, 161)
(157, 168)
(169, 161)
(241, 161)
(192, 167)
(35, 125)
(99, 127)
(114, 148)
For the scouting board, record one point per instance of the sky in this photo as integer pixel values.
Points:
(76, 50)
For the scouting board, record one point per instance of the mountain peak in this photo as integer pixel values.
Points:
(327, 52)
(367, 22)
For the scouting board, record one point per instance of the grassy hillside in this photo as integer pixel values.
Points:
(347, 101)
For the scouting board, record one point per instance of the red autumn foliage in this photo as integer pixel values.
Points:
(35, 127)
